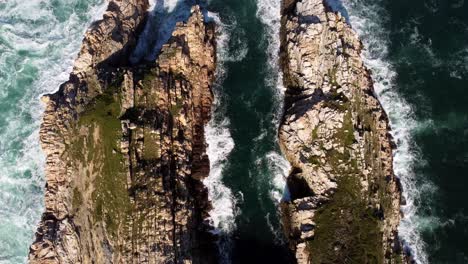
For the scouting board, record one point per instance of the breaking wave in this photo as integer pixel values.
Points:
(367, 19)
(269, 13)
(39, 41)
(220, 142)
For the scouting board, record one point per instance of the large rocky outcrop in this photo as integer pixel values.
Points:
(345, 205)
(125, 148)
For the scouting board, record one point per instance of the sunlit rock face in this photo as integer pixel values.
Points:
(125, 148)
(345, 198)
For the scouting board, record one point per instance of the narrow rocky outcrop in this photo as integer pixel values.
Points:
(125, 148)
(345, 205)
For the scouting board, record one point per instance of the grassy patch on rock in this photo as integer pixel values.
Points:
(346, 229)
(110, 196)
(151, 149)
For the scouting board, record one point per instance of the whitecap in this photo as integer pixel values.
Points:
(39, 42)
(367, 19)
(269, 13)
(220, 145)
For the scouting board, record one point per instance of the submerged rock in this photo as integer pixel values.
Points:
(345, 197)
(125, 148)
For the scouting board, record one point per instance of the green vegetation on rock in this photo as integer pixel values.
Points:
(347, 228)
(77, 199)
(100, 150)
(345, 135)
(175, 109)
(151, 149)
(149, 97)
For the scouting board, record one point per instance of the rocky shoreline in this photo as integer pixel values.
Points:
(345, 197)
(125, 148)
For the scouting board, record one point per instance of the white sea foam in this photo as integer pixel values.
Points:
(220, 145)
(218, 137)
(367, 20)
(458, 64)
(163, 16)
(279, 168)
(40, 40)
(232, 46)
(269, 13)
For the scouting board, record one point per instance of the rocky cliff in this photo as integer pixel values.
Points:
(345, 197)
(125, 148)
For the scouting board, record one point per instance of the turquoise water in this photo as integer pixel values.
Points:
(38, 43)
(417, 51)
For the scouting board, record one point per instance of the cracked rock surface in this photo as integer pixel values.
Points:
(345, 197)
(125, 148)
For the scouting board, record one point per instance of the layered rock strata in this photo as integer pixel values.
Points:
(345, 205)
(125, 148)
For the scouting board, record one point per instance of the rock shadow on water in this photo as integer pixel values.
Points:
(160, 24)
(337, 6)
(260, 251)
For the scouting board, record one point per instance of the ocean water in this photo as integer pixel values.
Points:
(39, 40)
(417, 52)
(428, 47)
(253, 170)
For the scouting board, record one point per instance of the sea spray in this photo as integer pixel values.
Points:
(39, 41)
(368, 20)
(162, 19)
(269, 13)
(220, 143)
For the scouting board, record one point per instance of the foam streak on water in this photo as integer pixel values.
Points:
(269, 13)
(39, 40)
(163, 16)
(220, 144)
(368, 20)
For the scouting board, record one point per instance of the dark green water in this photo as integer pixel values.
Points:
(252, 105)
(416, 49)
(429, 48)
(418, 52)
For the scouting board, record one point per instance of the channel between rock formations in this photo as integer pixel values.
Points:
(126, 148)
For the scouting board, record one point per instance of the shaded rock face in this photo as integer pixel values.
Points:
(125, 148)
(345, 198)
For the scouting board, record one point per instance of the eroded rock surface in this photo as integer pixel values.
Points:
(345, 204)
(125, 148)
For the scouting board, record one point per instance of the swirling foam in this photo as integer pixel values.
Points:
(269, 13)
(367, 19)
(39, 41)
(220, 142)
